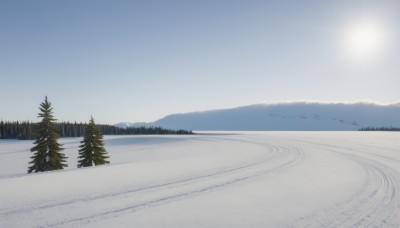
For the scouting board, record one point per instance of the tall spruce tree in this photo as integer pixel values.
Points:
(92, 150)
(47, 154)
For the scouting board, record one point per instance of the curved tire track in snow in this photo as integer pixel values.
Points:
(137, 198)
(376, 204)
(226, 170)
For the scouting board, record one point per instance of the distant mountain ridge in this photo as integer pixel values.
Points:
(296, 116)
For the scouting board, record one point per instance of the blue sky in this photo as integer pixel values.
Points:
(141, 60)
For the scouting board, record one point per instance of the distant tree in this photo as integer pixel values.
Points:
(1, 129)
(25, 130)
(47, 154)
(92, 150)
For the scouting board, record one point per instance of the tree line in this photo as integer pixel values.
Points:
(24, 130)
(47, 152)
(379, 129)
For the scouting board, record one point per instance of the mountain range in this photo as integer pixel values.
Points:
(295, 116)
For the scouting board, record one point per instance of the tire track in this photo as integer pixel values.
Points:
(376, 204)
(290, 159)
(275, 159)
(170, 183)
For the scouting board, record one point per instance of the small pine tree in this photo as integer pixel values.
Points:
(47, 152)
(92, 150)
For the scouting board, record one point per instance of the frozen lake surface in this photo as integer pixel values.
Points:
(212, 179)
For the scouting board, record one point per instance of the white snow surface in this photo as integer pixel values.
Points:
(212, 179)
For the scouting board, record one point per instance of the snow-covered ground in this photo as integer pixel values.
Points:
(218, 179)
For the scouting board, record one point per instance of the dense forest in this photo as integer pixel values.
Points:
(379, 129)
(25, 130)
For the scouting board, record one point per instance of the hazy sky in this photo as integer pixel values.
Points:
(141, 60)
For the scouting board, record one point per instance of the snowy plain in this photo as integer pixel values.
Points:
(211, 179)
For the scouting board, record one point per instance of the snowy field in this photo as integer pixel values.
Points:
(225, 179)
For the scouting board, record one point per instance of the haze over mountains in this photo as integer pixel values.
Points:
(296, 116)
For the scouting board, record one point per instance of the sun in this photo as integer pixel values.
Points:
(364, 40)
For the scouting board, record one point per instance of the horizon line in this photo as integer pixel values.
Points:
(364, 101)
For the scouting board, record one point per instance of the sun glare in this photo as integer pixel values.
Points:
(364, 41)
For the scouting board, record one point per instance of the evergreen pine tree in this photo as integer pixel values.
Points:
(47, 152)
(92, 150)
